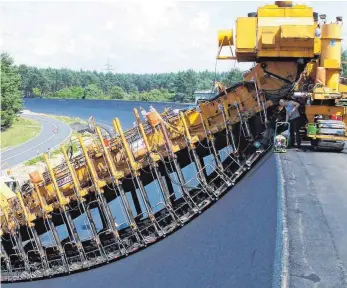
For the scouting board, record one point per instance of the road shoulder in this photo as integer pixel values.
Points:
(316, 253)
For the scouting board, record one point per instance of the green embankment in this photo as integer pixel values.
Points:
(21, 131)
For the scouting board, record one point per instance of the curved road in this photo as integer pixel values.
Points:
(53, 133)
(246, 239)
(232, 244)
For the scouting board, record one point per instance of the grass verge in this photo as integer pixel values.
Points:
(21, 131)
(53, 153)
(68, 120)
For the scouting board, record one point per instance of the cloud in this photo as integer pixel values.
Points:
(201, 21)
(82, 46)
(109, 25)
(52, 39)
(137, 37)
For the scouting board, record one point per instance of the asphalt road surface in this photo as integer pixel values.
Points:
(232, 244)
(316, 198)
(235, 242)
(53, 133)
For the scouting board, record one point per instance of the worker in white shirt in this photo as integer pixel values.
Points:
(293, 117)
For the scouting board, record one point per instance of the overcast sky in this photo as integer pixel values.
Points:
(137, 37)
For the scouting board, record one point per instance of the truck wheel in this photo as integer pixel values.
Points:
(314, 144)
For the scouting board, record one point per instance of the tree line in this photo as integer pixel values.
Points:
(23, 80)
(11, 96)
(66, 83)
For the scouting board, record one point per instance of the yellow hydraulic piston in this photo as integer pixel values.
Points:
(155, 157)
(6, 209)
(135, 167)
(63, 201)
(118, 128)
(331, 54)
(29, 217)
(115, 174)
(11, 225)
(191, 139)
(80, 192)
(98, 183)
(46, 209)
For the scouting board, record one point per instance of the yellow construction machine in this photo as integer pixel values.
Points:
(295, 56)
(282, 37)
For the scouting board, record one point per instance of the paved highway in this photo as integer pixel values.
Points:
(238, 242)
(53, 133)
(316, 196)
(232, 244)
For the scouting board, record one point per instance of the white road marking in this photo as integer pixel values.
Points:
(41, 127)
(56, 127)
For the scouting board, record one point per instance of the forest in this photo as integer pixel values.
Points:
(66, 83)
(19, 81)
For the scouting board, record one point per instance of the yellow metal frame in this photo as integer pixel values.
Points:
(63, 201)
(80, 192)
(98, 184)
(328, 137)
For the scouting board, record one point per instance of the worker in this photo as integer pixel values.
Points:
(293, 117)
(317, 32)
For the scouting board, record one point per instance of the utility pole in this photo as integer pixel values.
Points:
(108, 66)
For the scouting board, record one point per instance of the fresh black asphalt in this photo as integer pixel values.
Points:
(232, 244)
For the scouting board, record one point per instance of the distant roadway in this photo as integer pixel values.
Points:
(53, 133)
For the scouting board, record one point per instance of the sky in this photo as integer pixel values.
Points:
(135, 37)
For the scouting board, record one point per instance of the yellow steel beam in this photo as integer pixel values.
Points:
(226, 57)
(46, 209)
(98, 183)
(191, 139)
(115, 174)
(80, 192)
(4, 211)
(63, 201)
(129, 154)
(328, 137)
(206, 123)
(155, 157)
(28, 216)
